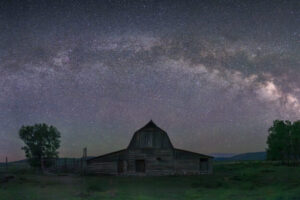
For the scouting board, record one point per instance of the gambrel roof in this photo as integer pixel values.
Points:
(150, 136)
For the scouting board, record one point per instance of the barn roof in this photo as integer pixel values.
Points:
(150, 136)
(107, 154)
(149, 125)
(191, 152)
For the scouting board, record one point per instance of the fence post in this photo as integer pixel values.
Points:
(65, 160)
(73, 165)
(83, 161)
(81, 166)
(57, 165)
(42, 164)
(6, 164)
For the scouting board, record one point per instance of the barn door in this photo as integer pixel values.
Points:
(140, 166)
(120, 166)
(203, 164)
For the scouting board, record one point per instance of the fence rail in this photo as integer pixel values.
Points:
(59, 165)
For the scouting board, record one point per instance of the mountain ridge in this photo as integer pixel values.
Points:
(244, 157)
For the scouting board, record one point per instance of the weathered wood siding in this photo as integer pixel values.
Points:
(157, 161)
(190, 162)
(106, 164)
(103, 168)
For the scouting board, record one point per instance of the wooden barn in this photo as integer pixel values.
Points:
(150, 152)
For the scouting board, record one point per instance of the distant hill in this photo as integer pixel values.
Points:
(222, 155)
(244, 156)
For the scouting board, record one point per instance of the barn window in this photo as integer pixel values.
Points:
(148, 140)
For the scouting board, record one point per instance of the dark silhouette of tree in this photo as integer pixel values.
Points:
(41, 144)
(295, 137)
(284, 141)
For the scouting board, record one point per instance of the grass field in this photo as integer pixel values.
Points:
(258, 181)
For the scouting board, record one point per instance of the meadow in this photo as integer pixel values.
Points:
(242, 181)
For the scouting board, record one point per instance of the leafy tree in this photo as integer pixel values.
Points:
(278, 140)
(295, 140)
(41, 143)
(284, 141)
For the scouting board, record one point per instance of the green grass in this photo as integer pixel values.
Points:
(242, 181)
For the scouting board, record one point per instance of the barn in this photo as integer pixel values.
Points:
(150, 152)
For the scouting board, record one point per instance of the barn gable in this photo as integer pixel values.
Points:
(150, 136)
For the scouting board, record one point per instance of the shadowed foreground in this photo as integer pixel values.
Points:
(229, 181)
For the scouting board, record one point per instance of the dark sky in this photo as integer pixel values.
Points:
(213, 74)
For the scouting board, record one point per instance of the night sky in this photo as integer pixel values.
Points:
(213, 74)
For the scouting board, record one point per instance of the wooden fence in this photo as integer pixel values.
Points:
(59, 165)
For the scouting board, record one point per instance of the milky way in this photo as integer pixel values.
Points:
(213, 74)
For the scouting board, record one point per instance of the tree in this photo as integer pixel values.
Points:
(41, 143)
(295, 140)
(278, 140)
(284, 141)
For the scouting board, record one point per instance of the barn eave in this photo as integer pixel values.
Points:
(191, 152)
(107, 154)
